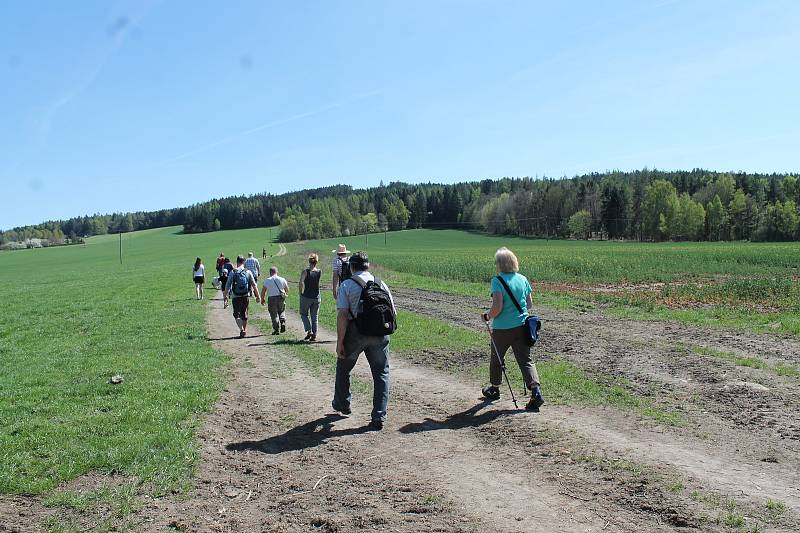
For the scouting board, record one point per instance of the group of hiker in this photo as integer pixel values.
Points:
(367, 316)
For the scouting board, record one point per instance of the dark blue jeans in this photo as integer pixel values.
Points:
(376, 349)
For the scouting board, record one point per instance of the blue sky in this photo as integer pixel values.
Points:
(144, 105)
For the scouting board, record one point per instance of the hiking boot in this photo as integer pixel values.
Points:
(491, 393)
(275, 332)
(343, 410)
(312, 337)
(283, 327)
(375, 425)
(536, 400)
(242, 334)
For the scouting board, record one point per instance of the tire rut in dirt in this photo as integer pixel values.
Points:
(654, 360)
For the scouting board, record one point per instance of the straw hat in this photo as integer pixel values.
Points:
(341, 249)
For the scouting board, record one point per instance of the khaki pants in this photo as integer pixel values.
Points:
(277, 307)
(516, 339)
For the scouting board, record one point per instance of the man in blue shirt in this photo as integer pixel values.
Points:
(350, 343)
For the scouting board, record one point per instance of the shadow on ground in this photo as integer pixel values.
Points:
(465, 419)
(308, 435)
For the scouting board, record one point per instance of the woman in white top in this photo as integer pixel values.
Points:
(199, 276)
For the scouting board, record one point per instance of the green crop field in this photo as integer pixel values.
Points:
(753, 285)
(73, 317)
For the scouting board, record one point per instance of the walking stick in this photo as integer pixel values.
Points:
(502, 364)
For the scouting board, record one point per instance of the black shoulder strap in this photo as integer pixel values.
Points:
(358, 280)
(508, 290)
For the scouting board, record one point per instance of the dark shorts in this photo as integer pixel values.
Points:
(199, 279)
(240, 304)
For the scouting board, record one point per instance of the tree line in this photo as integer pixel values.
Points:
(643, 205)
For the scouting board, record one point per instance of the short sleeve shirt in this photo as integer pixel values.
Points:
(275, 284)
(252, 264)
(336, 265)
(510, 317)
(350, 292)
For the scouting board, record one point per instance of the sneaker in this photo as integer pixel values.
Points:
(275, 332)
(343, 410)
(536, 400)
(491, 393)
(242, 334)
(308, 336)
(312, 337)
(283, 327)
(375, 425)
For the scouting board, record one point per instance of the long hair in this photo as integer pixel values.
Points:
(197, 263)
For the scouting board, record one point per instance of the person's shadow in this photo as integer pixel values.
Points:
(464, 419)
(305, 436)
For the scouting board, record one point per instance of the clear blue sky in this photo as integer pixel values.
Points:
(144, 105)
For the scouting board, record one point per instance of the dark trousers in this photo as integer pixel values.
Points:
(516, 339)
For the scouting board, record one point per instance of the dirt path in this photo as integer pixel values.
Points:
(272, 438)
(744, 423)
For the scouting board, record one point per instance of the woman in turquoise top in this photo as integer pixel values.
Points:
(509, 329)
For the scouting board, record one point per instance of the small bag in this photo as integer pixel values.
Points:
(533, 322)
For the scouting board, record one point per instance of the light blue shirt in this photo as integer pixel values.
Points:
(350, 293)
(510, 317)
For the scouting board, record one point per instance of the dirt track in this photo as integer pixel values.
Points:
(448, 462)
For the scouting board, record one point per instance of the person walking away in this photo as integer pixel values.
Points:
(509, 329)
(220, 262)
(263, 253)
(199, 277)
(275, 289)
(223, 276)
(252, 264)
(366, 316)
(310, 297)
(238, 287)
(341, 268)
(227, 266)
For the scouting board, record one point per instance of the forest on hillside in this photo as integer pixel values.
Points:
(642, 205)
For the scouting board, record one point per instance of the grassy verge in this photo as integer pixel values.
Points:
(750, 362)
(74, 316)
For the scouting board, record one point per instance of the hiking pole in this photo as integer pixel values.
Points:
(502, 364)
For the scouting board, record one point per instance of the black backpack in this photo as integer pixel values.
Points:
(344, 271)
(377, 317)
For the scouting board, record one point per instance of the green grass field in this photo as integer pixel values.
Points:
(743, 285)
(74, 317)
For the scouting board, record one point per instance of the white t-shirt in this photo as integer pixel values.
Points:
(201, 270)
(275, 284)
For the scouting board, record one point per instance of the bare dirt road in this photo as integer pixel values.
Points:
(275, 457)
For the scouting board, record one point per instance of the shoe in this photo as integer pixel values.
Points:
(312, 337)
(275, 332)
(375, 425)
(342, 410)
(491, 393)
(283, 327)
(308, 336)
(536, 400)
(242, 334)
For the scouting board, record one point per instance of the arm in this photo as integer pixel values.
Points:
(497, 306)
(529, 303)
(342, 320)
(335, 284)
(263, 295)
(302, 281)
(253, 286)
